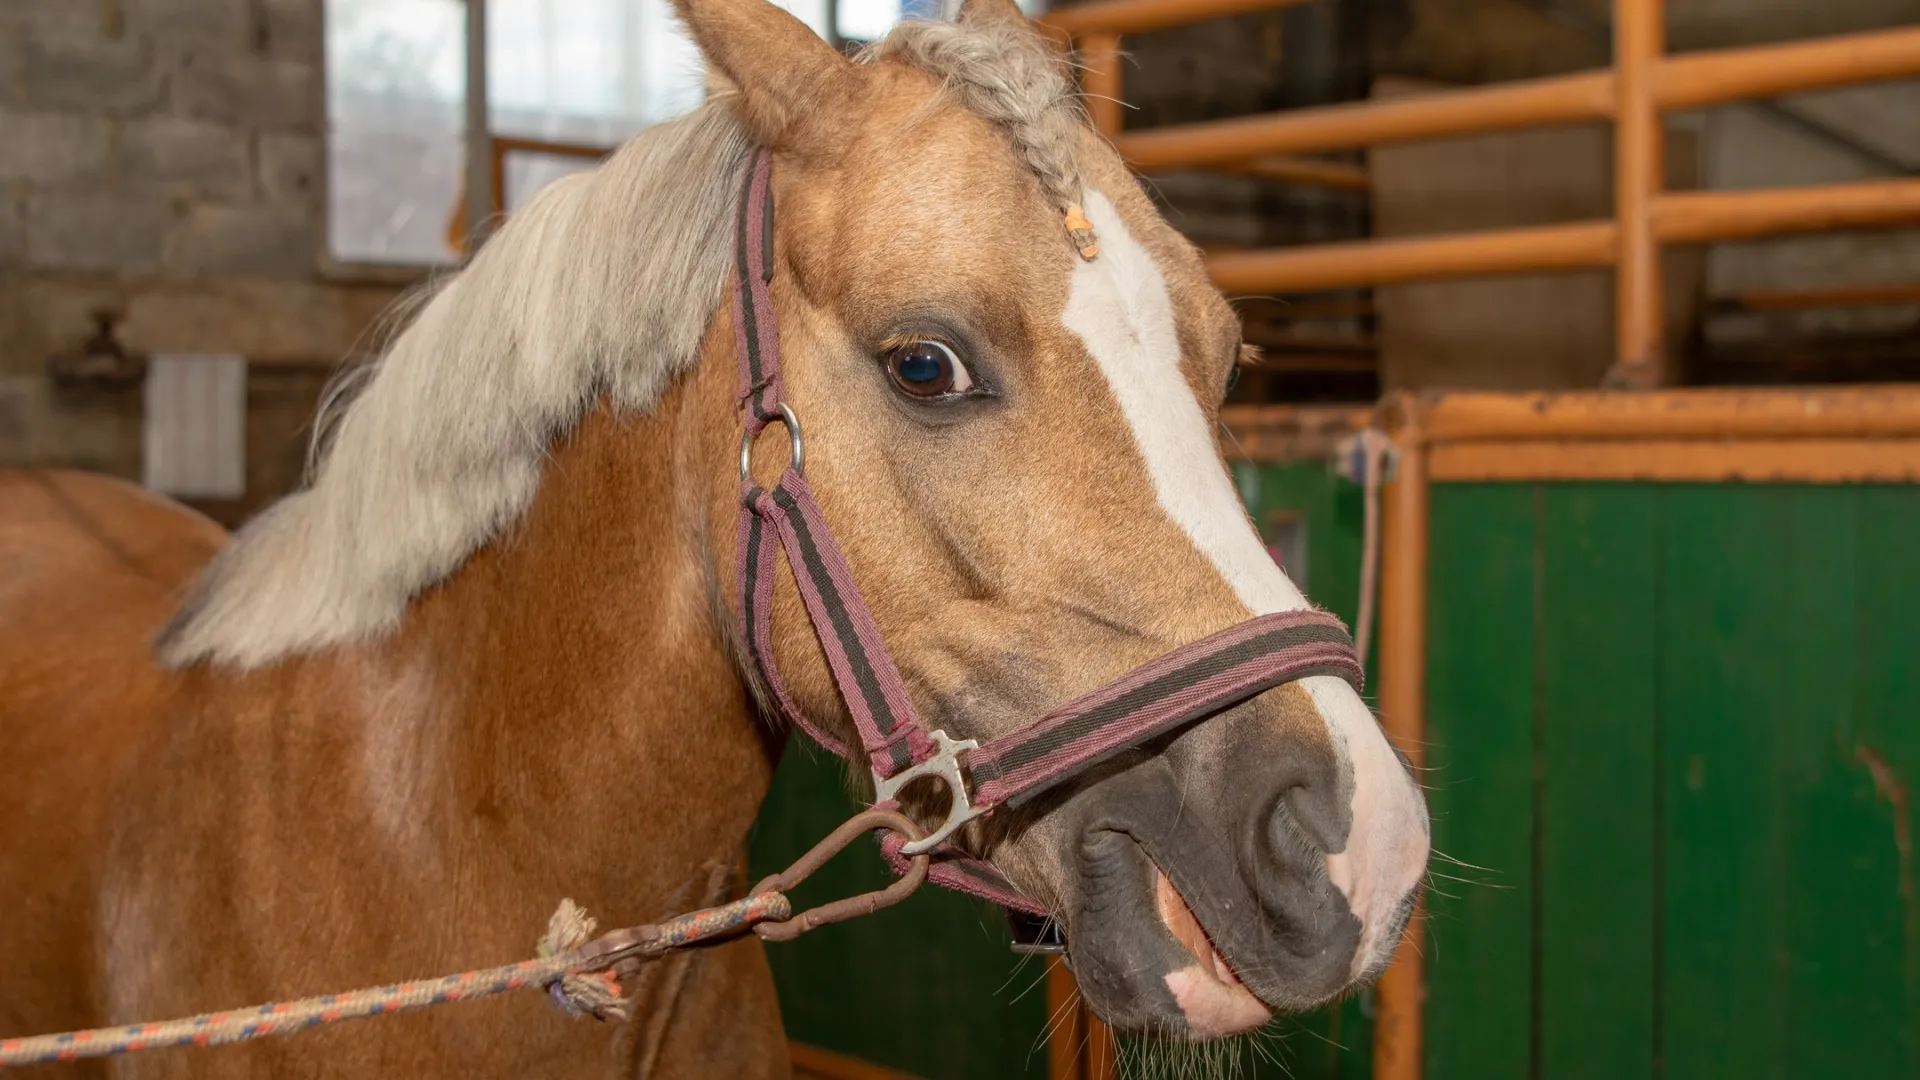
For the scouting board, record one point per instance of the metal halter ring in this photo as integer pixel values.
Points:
(945, 765)
(793, 439)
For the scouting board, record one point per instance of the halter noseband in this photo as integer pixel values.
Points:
(1191, 682)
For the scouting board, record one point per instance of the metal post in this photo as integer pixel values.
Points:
(1640, 345)
(1100, 81)
(481, 193)
(1103, 1050)
(1399, 1026)
(1066, 1034)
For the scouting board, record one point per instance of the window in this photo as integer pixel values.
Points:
(396, 88)
(565, 79)
(866, 20)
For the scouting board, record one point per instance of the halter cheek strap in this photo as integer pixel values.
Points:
(1178, 688)
(789, 516)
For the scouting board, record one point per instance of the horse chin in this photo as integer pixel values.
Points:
(1142, 960)
(1145, 964)
(1210, 996)
(1182, 923)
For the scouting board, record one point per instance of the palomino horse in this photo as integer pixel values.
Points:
(490, 656)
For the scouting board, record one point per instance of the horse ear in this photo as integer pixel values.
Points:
(789, 82)
(986, 12)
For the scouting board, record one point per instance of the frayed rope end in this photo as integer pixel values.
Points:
(580, 993)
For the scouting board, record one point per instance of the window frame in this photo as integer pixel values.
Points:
(485, 160)
(331, 268)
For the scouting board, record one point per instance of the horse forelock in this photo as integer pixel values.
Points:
(1009, 76)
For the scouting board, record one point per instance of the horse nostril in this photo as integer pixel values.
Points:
(1311, 814)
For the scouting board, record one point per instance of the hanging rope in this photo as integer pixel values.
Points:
(1365, 462)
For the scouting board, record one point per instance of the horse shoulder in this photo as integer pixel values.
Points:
(90, 569)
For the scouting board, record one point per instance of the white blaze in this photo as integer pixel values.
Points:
(1120, 307)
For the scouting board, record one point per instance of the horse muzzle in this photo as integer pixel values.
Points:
(1198, 914)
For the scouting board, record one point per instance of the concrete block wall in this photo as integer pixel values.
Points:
(163, 160)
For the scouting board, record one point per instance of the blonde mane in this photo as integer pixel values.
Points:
(602, 286)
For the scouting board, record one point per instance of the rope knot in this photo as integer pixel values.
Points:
(580, 993)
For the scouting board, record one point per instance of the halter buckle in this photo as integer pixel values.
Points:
(945, 764)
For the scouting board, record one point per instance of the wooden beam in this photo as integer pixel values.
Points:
(1855, 412)
(1145, 16)
(1639, 35)
(1579, 246)
(1795, 461)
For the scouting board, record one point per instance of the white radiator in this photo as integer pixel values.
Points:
(196, 426)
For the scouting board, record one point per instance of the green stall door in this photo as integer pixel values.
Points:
(1672, 730)
(929, 987)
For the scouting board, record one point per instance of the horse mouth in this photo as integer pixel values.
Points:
(1211, 997)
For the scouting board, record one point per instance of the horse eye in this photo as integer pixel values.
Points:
(928, 370)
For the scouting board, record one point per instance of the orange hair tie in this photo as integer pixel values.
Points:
(1081, 230)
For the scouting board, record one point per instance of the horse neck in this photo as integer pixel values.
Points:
(593, 728)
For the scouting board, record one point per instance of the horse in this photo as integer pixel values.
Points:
(491, 653)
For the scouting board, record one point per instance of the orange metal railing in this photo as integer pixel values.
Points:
(1643, 84)
(505, 146)
(499, 148)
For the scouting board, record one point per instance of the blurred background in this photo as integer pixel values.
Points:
(1604, 313)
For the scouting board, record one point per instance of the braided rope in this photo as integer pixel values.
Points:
(576, 978)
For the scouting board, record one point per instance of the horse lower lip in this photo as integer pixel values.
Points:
(1186, 929)
(1209, 995)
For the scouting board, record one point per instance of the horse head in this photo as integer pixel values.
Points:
(1010, 369)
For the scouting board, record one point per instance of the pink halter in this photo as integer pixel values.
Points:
(1185, 685)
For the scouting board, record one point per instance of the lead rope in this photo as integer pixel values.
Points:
(581, 984)
(573, 966)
